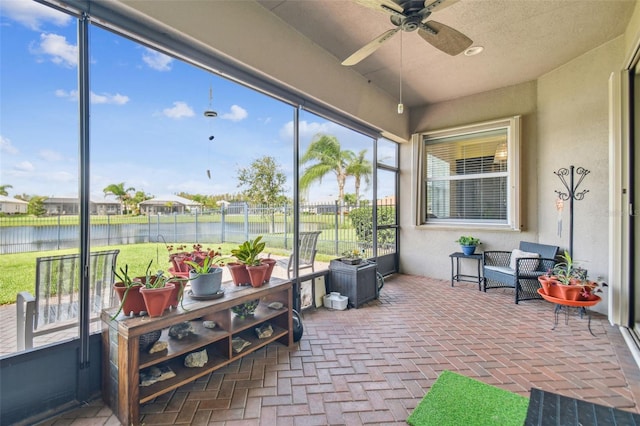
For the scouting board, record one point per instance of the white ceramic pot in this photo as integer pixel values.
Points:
(206, 284)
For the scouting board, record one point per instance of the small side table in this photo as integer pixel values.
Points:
(455, 268)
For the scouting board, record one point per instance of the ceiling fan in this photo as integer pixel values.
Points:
(411, 15)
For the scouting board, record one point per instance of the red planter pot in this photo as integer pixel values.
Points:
(257, 274)
(271, 263)
(157, 299)
(134, 303)
(239, 273)
(177, 293)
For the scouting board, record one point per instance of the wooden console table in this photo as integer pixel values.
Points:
(123, 361)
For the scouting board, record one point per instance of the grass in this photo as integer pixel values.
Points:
(455, 400)
(19, 270)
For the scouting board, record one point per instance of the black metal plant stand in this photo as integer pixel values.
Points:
(572, 193)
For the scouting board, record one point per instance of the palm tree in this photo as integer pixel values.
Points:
(118, 191)
(3, 189)
(360, 168)
(325, 150)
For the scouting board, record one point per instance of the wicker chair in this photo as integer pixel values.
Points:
(497, 272)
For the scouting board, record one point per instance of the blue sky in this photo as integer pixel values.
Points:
(148, 127)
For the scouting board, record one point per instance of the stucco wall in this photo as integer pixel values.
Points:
(573, 129)
(425, 250)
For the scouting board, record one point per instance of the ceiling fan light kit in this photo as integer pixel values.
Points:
(409, 16)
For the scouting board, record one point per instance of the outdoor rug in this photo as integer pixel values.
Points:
(456, 400)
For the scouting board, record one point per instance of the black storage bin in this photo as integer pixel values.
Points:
(357, 282)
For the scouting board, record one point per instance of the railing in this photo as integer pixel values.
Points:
(234, 223)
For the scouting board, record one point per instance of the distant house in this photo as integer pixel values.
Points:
(12, 205)
(61, 206)
(169, 204)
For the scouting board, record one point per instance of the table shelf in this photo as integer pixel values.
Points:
(123, 362)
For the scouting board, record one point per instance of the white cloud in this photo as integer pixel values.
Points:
(32, 15)
(307, 130)
(24, 166)
(108, 98)
(60, 52)
(156, 60)
(265, 120)
(49, 155)
(7, 146)
(237, 113)
(104, 98)
(179, 110)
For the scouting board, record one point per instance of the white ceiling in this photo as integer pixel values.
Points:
(522, 40)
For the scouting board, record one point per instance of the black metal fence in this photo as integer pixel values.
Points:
(234, 223)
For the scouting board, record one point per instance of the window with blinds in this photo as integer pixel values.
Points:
(468, 176)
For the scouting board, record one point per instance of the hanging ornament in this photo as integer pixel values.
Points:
(210, 113)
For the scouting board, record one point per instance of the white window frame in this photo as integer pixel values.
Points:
(513, 221)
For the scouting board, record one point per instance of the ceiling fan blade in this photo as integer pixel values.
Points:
(369, 48)
(434, 6)
(377, 4)
(445, 38)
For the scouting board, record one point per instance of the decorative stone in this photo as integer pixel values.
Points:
(159, 346)
(239, 344)
(182, 330)
(155, 374)
(275, 305)
(264, 331)
(209, 324)
(196, 359)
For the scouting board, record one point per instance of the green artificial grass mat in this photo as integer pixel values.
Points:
(456, 400)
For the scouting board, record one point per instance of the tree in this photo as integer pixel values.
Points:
(3, 189)
(118, 191)
(329, 157)
(360, 168)
(36, 205)
(263, 181)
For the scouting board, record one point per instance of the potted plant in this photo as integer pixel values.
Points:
(568, 281)
(128, 291)
(156, 292)
(179, 258)
(205, 277)
(351, 257)
(247, 255)
(468, 244)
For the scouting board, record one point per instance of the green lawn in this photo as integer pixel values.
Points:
(18, 270)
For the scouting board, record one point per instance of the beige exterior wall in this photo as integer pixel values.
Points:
(564, 123)
(573, 129)
(425, 250)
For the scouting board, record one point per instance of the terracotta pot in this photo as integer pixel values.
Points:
(550, 285)
(271, 263)
(178, 263)
(206, 284)
(177, 294)
(257, 274)
(157, 299)
(134, 303)
(570, 292)
(239, 273)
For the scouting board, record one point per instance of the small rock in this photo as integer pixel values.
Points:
(264, 331)
(158, 346)
(155, 374)
(275, 305)
(182, 330)
(196, 359)
(209, 324)
(238, 344)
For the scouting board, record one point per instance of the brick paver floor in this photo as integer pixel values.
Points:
(374, 364)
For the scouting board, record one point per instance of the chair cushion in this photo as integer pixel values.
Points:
(516, 254)
(501, 269)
